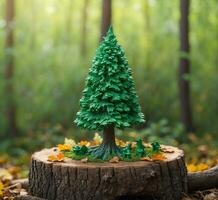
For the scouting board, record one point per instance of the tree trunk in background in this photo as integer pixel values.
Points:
(147, 28)
(106, 17)
(84, 28)
(69, 23)
(9, 69)
(184, 67)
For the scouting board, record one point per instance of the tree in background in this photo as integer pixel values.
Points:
(109, 99)
(184, 67)
(9, 69)
(84, 28)
(106, 17)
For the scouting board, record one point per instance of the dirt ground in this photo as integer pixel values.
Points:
(203, 195)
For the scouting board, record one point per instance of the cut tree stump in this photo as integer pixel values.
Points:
(74, 180)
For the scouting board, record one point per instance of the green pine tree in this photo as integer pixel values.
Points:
(109, 99)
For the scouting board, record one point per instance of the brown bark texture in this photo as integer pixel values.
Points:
(203, 180)
(109, 135)
(184, 66)
(9, 69)
(27, 197)
(74, 180)
(106, 17)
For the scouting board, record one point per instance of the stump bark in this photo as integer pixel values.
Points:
(74, 180)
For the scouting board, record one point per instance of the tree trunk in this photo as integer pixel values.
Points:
(106, 17)
(84, 28)
(75, 180)
(184, 68)
(9, 69)
(109, 135)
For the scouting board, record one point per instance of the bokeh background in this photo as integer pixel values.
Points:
(45, 60)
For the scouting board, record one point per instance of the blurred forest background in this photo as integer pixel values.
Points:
(46, 49)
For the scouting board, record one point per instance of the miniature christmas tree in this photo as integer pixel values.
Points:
(109, 100)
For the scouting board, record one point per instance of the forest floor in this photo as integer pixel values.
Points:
(211, 194)
(201, 154)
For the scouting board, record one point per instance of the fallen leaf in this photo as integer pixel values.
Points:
(84, 143)
(52, 158)
(14, 170)
(202, 167)
(211, 196)
(69, 142)
(146, 159)
(1, 189)
(23, 192)
(97, 140)
(64, 147)
(60, 157)
(84, 160)
(158, 156)
(56, 158)
(5, 175)
(114, 160)
(167, 150)
(120, 143)
(197, 167)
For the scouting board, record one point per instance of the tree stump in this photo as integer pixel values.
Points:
(74, 180)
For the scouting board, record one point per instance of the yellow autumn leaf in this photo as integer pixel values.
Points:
(69, 142)
(120, 143)
(97, 139)
(51, 158)
(197, 167)
(5, 175)
(202, 167)
(1, 189)
(64, 147)
(84, 143)
(191, 168)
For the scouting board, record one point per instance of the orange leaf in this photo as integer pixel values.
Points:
(158, 156)
(60, 157)
(56, 158)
